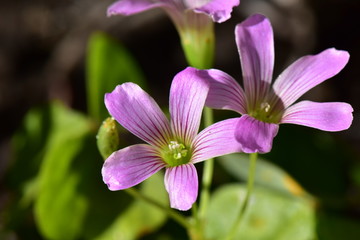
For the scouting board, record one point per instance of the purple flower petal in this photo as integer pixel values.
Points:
(225, 92)
(255, 135)
(187, 98)
(328, 116)
(255, 42)
(181, 182)
(218, 10)
(136, 111)
(130, 166)
(129, 7)
(307, 72)
(216, 140)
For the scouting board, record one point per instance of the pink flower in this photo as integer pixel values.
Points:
(218, 10)
(264, 105)
(175, 145)
(193, 20)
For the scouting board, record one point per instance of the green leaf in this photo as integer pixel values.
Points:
(28, 144)
(141, 217)
(270, 215)
(59, 210)
(72, 200)
(108, 64)
(266, 173)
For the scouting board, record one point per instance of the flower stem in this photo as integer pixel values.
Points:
(171, 213)
(250, 185)
(208, 116)
(198, 40)
(208, 171)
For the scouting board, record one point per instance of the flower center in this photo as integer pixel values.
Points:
(175, 154)
(266, 113)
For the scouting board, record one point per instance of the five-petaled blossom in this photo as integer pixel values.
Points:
(263, 105)
(175, 145)
(192, 18)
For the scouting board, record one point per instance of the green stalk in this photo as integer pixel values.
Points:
(250, 185)
(171, 213)
(207, 172)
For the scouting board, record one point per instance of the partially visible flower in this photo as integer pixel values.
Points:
(263, 105)
(175, 145)
(218, 10)
(192, 18)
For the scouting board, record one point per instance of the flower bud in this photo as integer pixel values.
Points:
(108, 138)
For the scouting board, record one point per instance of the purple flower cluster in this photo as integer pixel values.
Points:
(176, 145)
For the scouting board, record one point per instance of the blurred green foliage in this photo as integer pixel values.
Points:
(67, 194)
(108, 64)
(270, 215)
(267, 174)
(55, 175)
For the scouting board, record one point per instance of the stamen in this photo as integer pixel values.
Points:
(176, 154)
(265, 112)
(177, 149)
(265, 106)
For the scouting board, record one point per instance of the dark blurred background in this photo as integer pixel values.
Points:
(43, 50)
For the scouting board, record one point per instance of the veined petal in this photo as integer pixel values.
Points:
(225, 92)
(328, 116)
(255, 135)
(255, 42)
(136, 111)
(218, 10)
(129, 7)
(307, 72)
(216, 140)
(187, 98)
(181, 182)
(130, 166)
